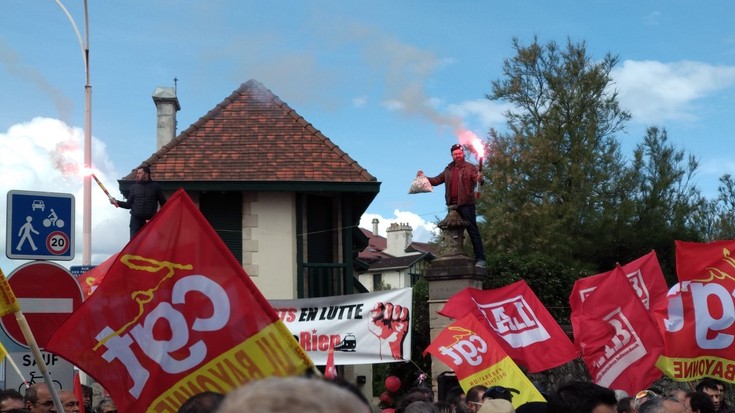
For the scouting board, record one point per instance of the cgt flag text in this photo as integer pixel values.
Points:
(700, 319)
(467, 347)
(176, 315)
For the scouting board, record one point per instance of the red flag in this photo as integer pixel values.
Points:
(468, 348)
(176, 315)
(330, 370)
(700, 319)
(77, 389)
(92, 278)
(523, 326)
(644, 275)
(619, 339)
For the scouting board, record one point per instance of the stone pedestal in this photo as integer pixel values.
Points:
(448, 275)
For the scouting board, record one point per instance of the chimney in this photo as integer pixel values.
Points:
(399, 237)
(167, 104)
(375, 223)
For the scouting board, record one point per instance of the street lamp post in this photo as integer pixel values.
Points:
(87, 208)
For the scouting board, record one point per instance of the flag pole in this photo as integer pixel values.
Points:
(15, 366)
(9, 304)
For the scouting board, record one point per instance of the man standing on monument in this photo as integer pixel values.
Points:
(459, 179)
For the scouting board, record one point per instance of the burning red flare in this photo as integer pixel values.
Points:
(468, 138)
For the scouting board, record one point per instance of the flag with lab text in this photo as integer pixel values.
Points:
(618, 337)
(522, 325)
(176, 315)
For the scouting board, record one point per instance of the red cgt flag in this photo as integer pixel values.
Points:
(619, 338)
(644, 275)
(468, 348)
(700, 319)
(176, 315)
(523, 326)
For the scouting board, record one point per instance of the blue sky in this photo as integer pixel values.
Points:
(386, 81)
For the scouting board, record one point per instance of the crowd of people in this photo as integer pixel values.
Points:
(318, 395)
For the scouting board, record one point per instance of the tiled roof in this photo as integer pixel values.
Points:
(253, 135)
(377, 259)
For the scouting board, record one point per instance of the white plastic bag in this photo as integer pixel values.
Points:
(420, 185)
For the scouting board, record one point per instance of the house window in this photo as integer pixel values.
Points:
(223, 210)
(377, 282)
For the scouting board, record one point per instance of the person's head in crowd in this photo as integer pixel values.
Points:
(11, 399)
(533, 407)
(456, 399)
(678, 394)
(709, 386)
(106, 405)
(496, 406)
(38, 398)
(69, 401)
(721, 388)
(625, 405)
(499, 392)
(18, 410)
(473, 398)
(699, 402)
(662, 405)
(414, 394)
(642, 397)
(292, 394)
(87, 394)
(204, 402)
(582, 397)
(421, 407)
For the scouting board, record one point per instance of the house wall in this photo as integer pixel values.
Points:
(269, 243)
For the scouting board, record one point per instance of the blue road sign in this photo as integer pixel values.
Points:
(40, 226)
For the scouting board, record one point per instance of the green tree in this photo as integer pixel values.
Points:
(556, 174)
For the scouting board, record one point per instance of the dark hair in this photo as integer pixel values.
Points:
(580, 397)
(701, 402)
(707, 384)
(204, 402)
(455, 147)
(10, 394)
(474, 394)
(625, 405)
(146, 169)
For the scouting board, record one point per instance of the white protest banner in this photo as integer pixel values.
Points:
(363, 328)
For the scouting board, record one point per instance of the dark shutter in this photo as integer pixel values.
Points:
(223, 210)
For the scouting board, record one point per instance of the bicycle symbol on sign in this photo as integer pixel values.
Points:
(32, 381)
(53, 220)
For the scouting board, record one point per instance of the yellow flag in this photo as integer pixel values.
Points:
(8, 303)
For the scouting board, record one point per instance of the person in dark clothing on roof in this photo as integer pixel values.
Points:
(143, 200)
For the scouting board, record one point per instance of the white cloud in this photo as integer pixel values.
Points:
(487, 112)
(47, 155)
(654, 92)
(423, 231)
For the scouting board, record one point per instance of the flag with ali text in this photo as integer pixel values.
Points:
(699, 322)
(618, 337)
(644, 275)
(468, 348)
(176, 315)
(522, 325)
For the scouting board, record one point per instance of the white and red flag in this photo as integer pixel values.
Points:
(618, 337)
(174, 316)
(523, 326)
(700, 320)
(644, 275)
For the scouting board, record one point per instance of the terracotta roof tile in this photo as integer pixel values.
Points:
(252, 135)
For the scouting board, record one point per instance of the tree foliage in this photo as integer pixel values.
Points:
(557, 180)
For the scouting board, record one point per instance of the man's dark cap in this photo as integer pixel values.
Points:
(455, 147)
